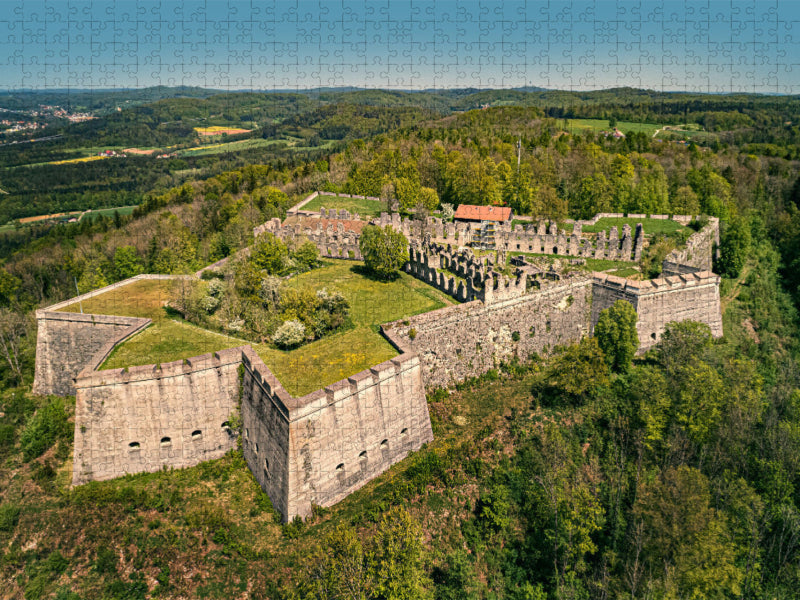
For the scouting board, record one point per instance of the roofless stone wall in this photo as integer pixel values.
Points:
(466, 340)
(698, 255)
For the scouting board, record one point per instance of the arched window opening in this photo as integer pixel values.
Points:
(340, 467)
(134, 446)
(197, 434)
(384, 444)
(404, 432)
(363, 455)
(165, 441)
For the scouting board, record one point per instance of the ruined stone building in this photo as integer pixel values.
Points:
(318, 448)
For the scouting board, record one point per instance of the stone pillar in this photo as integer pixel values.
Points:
(600, 250)
(638, 243)
(627, 242)
(613, 244)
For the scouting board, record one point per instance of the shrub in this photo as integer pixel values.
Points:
(43, 428)
(9, 516)
(617, 336)
(290, 334)
(106, 560)
(412, 333)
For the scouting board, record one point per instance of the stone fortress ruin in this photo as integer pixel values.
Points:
(318, 448)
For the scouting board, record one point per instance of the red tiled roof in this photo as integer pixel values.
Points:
(468, 212)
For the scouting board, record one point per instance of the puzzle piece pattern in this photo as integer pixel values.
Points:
(711, 46)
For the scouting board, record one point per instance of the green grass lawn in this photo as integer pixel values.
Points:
(167, 339)
(651, 226)
(365, 208)
(302, 370)
(581, 125)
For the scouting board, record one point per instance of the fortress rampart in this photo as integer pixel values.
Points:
(693, 296)
(148, 417)
(318, 448)
(466, 340)
(698, 254)
(312, 450)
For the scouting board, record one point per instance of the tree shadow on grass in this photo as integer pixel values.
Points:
(363, 271)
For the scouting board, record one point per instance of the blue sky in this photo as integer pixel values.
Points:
(708, 46)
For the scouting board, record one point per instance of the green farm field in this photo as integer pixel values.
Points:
(221, 148)
(595, 125)
(301, 370)
(365, 208)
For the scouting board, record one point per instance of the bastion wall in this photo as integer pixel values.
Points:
(466, 340)
(313, 450)
(147, 417)
(692, 296)
(318, 449)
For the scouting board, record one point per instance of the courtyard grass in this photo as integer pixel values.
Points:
(651, 226)
(301, 370)
(365, 208)
(166, 340)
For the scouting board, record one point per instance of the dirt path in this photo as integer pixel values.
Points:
(737, 287)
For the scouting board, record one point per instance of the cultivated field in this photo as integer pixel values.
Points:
(219, 130)
(595, 125)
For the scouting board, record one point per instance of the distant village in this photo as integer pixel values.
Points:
(38, 119)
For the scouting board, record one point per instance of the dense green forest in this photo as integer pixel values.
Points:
(581, 474)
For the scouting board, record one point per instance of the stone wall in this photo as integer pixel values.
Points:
(149, 417)
(697, 255)
(466, 340)
(693, 296)
(66, 343)
(318, 449)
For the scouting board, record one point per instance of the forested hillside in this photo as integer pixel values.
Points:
(581, 474)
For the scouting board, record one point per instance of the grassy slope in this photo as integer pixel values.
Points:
(208, 531)
(166, 339)
(302, 370)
